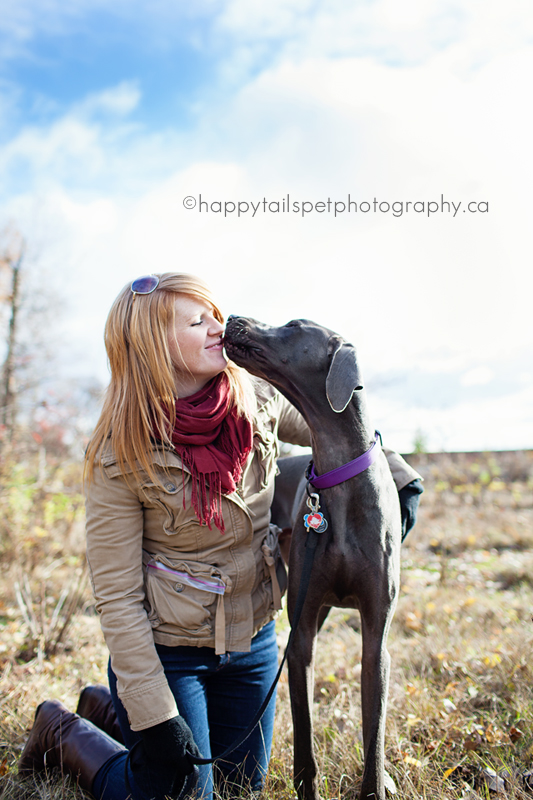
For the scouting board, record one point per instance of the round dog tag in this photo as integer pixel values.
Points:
(314, 521)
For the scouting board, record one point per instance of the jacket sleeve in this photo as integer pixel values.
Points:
(402, 472)
(292, 427)
(114, 516)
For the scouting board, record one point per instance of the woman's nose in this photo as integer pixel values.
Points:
(216, 327)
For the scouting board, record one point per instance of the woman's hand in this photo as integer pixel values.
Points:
(166, 747)
(409, 500)
(170, 741)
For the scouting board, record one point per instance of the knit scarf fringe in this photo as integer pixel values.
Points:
(207, 509)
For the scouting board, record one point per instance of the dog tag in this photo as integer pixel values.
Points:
(315, 521)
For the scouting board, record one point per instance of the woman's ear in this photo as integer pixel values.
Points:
(343, 377)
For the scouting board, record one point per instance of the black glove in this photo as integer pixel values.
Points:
(168, 742)
(164, 765)
(409, 500)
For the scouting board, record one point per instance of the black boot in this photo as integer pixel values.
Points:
(96, 705)
(62, 739)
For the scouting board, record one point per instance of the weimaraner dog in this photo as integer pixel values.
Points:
(357, 557)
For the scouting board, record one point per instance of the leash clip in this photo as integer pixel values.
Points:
(313, 501)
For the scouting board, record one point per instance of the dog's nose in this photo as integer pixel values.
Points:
(234, 319)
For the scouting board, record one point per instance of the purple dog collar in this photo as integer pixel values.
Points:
(349, 470)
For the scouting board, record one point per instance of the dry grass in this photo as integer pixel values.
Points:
(460, 694)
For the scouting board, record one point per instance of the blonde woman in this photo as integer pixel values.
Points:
(186, 572)
(185, 565)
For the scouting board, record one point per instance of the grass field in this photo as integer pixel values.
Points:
(460, 706)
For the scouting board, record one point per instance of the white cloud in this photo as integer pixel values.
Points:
(404, 33)
(76, 149)
(253, 19)
(119, 100)
(317, 121)
(479, 376)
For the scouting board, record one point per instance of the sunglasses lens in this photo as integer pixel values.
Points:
(145, 285)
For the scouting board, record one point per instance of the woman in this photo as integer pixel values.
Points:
(186, 570)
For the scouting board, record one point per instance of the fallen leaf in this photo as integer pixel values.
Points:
(412, 621)
(491, 780)
(390, 786)
(449, 771)
(515, 734)
(472, 742)
(493, 735)
(413, 762)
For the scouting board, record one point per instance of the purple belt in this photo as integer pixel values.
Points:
(349, 470)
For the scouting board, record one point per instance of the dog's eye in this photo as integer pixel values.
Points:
(294, 323)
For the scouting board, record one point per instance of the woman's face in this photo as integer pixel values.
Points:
(199, 336)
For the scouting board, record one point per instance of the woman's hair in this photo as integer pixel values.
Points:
(141, 395)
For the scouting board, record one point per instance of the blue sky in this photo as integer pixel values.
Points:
(51, 66)
(111, 113)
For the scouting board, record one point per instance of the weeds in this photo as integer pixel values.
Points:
(460, 718)
(47, 619)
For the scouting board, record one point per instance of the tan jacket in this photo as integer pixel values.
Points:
(161, 577)
(402, 472)
(139, 535)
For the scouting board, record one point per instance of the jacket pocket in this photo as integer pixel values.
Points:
(168, 497)
(188, 596)
(275, 570)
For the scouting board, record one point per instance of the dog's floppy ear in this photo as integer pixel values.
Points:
(343, 376)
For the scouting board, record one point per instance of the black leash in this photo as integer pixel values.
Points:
(310, 547)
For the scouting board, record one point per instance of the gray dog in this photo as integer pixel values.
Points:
(357, 557)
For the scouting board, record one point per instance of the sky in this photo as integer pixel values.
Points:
(362, 163)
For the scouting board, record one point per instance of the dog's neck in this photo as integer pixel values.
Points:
(338, 438)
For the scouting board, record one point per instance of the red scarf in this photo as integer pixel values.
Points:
(213, 444)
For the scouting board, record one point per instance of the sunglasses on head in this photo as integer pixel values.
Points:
(145, 284)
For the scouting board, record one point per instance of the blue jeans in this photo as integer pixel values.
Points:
(218, 696)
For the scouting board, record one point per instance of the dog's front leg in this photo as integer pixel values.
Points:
(301, 684)
(374, 690)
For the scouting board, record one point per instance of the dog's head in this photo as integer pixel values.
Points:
(299, 358)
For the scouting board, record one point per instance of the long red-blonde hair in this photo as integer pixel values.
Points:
(141, 393)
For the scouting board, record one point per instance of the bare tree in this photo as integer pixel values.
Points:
(41, 407)
(11, 260)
